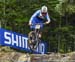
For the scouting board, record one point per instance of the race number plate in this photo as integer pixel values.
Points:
(37, 26)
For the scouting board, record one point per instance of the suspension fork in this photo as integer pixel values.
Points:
(37, 34)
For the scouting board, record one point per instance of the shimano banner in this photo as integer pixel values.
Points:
(19, 41)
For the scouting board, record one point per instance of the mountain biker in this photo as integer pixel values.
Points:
(40, 16)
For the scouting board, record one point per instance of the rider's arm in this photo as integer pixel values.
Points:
(34, 15)
(48, 19)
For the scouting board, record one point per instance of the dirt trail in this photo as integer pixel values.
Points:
(13, 56)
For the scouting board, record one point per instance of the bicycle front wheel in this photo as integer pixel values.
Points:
(32, 42)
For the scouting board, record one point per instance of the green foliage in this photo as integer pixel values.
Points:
(65, 6)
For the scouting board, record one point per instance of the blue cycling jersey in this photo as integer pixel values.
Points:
(38, 18)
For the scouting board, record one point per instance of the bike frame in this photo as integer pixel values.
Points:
(36, 31)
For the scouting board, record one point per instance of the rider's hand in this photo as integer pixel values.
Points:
(46, 23)
(29, 24)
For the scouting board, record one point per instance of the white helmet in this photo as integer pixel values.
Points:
(44, 9)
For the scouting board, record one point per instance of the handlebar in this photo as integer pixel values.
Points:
(38, 24)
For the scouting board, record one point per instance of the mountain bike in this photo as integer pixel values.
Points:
(33, 37)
